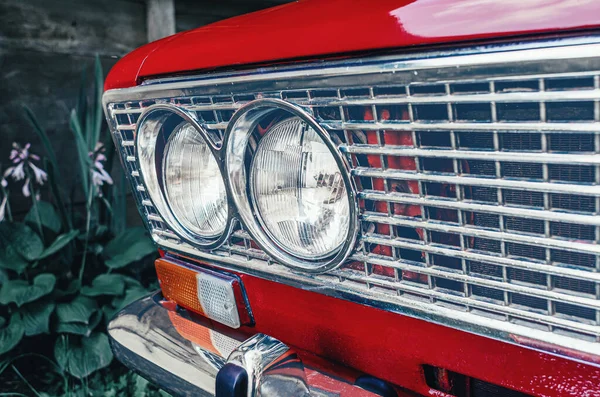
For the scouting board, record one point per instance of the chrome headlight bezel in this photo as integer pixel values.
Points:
(156, 121)
(235, 145)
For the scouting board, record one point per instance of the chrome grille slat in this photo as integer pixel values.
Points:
(476, 303)
(547, 242)
(524, 157)
(502, 261)
(590, 127)
(536, 97)
(502, 183)
(466, 205)
(544, 187)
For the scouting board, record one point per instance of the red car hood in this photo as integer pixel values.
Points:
(316, 28)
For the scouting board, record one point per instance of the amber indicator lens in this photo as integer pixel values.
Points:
(211, 294)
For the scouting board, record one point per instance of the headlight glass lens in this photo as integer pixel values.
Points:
(194, 187)
(298, 191)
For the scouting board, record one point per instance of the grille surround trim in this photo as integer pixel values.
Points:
(570, 57)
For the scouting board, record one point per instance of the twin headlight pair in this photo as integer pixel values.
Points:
(276, 171)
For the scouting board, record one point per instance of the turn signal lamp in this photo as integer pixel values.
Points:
(215, 295)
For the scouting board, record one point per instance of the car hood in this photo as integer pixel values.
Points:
(316, 28)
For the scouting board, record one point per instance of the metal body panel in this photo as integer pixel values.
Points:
(318, 28)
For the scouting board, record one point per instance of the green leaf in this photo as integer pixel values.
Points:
(140, 386)
(60, 242)
(22, 239)
(20, 292)
(10, 259)
(80, 328)
(105, 284)
(131, 294)
(108, 311)
(84, 159)
(11, 335)
(37, 127)
(96, 109)
(71, 289)
(128, 247)
(82, 359)
(78, 310)
(48, 216)
(36, 317)
(57, 193)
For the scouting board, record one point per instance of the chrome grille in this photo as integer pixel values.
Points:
(479, 187)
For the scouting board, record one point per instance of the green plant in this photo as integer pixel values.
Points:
(65, 270)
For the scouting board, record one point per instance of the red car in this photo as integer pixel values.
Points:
(368, 198)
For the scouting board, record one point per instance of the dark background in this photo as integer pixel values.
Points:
(45, 44)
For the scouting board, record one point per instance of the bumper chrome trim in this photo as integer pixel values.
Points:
(184, 356)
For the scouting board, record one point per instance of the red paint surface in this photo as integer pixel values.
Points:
(317, 28)
(394, 347)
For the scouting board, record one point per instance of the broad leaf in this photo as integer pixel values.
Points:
(80, 328)
(78, 310)
(36, 317)
(71, 289)
(82, 151)
(130, 246)
(9, 255)
(21, 292)
(131, 282)
(105, 284)
(11, 335)
(131, 295)
(140, 386)
(108, 311)
(48, 217)
(22, 239)
(10, 259)
(82, 359)
(59, 243)
(61, 351)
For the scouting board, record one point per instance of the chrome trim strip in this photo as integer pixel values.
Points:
(509, 127)
(521, 157)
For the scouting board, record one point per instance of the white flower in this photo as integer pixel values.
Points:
(22, 158)
(99, 174)
(40, 175)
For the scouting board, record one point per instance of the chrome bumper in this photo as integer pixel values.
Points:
(185, 356)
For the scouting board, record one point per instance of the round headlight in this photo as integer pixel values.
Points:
(298, 190)
(181, 176)
(194, 187)
(290, 185)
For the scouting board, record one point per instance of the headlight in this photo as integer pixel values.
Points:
(298, 191)
(194, 187)
(182, 177)
(290, 186)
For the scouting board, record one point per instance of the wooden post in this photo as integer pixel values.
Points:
(160, 18)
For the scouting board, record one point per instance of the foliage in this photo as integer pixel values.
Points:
(64, 270)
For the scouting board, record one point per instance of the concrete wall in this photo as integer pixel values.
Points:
(44, 44)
